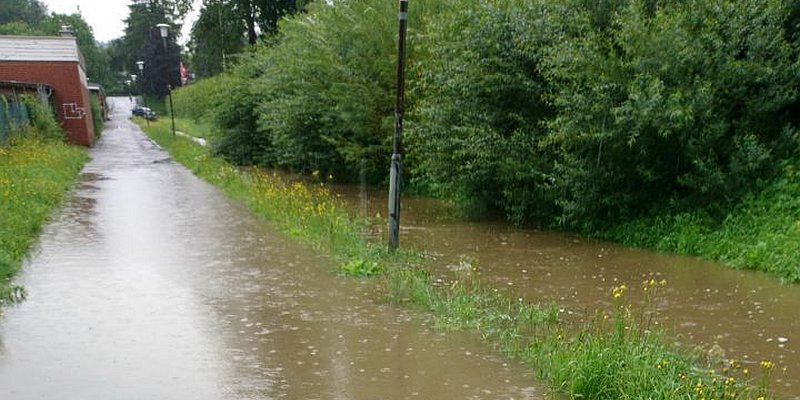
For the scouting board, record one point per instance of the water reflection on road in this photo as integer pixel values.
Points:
(150, 284)
(750, 316)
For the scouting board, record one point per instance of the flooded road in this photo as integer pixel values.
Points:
(749, 316)
(150, 284)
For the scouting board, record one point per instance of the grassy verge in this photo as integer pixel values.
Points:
(616, 355)
(761, 233)
(34, 175)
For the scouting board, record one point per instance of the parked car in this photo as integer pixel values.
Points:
(144, 112)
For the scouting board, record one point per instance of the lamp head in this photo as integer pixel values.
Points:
(163, 28)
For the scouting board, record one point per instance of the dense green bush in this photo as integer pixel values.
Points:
(681, 105)
(333, 110)
(31, 118)
(482, 107)
(199, 100)
(574, 113)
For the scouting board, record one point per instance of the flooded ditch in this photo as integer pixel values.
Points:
(741, 315)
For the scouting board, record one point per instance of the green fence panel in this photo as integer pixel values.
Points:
(13, 116)
(4, 125)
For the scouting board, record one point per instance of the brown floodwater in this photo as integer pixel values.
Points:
(743, 315)
(151, 284)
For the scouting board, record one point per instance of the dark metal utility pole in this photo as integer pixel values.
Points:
(396, 167)
(171, 110)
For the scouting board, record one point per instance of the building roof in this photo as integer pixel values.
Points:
(39, 48)
(20, 84)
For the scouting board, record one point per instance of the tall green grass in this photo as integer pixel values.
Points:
(35, 173)
(762, 232)
(617, 355)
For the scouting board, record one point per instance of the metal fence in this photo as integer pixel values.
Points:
(13, 115)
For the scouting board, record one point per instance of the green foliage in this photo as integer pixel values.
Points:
(681, 105)
(330, 111)
(577, 114)
(201, 100)
(30, 12)
(240, 140)
(361, 268)
(761, 232)
(229, 102)
(216, 35)
(42, 120)
(97, 116)
(19, 28)
(483, 102)
(30, 119)
(143, 42)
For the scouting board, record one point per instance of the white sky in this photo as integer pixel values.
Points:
(106, 16)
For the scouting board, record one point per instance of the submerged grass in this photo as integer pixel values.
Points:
(616, 355)
(35, 174)
(761, 233)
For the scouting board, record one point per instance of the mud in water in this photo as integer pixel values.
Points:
(150, 284)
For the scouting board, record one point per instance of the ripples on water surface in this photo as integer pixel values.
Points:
(749, 315)
(150, 284)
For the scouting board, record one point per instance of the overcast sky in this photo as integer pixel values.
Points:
(106, 16)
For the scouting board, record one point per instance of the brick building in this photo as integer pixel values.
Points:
(56, 62)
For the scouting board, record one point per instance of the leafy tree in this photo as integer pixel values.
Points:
(483, 107)
(225, 27)
(333, 111)
(19, 28)
(216, 35)
(30, 12)
(679, 106)
(143, 42)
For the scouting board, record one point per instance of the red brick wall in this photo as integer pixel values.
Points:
(64, 77)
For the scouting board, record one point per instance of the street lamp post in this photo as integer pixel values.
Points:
(396, 165)
(133, 80)
(128, 82)
(171, 110)
(140, 64)
(163, 29)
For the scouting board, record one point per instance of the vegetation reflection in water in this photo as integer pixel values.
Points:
(620, 353)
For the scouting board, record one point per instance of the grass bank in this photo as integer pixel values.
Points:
(761, 233)
(35, 174)
(616, 355)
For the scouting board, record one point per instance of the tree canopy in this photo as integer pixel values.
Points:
(226, 27)
(143, 42)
